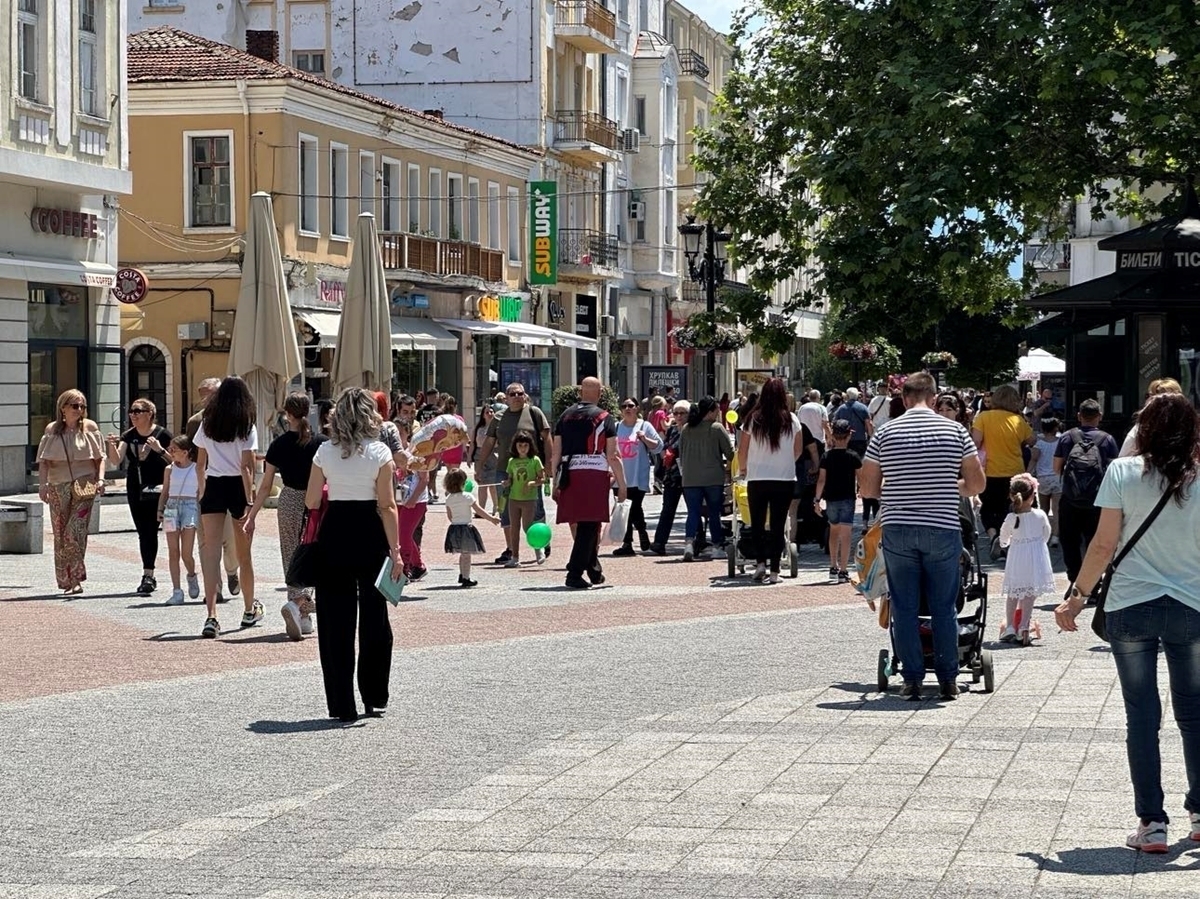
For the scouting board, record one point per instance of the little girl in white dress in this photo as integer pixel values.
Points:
(1027, 571)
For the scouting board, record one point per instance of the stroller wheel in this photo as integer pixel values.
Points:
(884, 671)
(989, 672)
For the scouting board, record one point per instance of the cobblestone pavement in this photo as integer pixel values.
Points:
(673, 734)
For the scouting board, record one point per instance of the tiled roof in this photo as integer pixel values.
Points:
(166, 54)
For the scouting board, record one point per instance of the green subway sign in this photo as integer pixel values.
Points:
(543, 232)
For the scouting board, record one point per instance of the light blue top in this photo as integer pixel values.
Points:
(635, 457)
(1164, 560)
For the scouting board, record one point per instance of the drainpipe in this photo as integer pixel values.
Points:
(602, 303)
(241, 90)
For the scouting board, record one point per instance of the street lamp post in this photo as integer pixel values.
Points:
(708, 270)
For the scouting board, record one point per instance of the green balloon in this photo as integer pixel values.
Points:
(469, 485)
(538, 535)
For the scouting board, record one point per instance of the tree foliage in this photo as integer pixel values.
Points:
(899, 150)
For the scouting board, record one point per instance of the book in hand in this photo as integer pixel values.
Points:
(391, 590)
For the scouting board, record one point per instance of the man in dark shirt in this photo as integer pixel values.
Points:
(585, 452)
(1078, 520)
(521, 415)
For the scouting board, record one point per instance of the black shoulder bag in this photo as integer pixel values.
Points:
(1100, 592)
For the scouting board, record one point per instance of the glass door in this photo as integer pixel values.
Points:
(107, 390)
(53, 368)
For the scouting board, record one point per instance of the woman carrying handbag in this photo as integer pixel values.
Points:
(1149, 504)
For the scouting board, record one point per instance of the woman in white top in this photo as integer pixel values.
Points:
(358, 534)
(225, 445)
(768, 448)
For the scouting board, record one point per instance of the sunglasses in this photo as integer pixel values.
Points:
(628, 406)
(76, 405)
(517, 393)
(679, 412)
(137, 411)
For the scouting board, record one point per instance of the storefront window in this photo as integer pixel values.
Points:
(57, 312)
(1189, 359)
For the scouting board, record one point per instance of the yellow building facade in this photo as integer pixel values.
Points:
(210, 125)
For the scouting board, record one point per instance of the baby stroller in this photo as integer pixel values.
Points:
(971, 606)
(738, 549)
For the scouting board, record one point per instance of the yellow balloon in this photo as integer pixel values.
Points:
(731, 416)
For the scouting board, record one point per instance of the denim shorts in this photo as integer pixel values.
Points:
(839, 511)
(180, 513)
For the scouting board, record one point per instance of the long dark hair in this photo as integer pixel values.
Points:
(229, 413)
(770, 418)
(895, 407)
(746, 409)
(483, 411)
(296, 405)
(1166, 439)
(699, 410)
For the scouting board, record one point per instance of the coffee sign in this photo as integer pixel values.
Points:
(64, 222)
(131, 286)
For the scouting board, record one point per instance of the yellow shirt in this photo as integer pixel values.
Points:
(1003, 435)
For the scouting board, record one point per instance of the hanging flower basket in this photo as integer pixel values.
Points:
(859, 352)
(720, 338)
(939, 359)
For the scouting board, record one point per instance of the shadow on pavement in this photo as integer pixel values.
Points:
(1109, 860)
(43, 597)
(305, 726)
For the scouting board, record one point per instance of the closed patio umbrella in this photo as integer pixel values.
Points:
(264, 351)
(363, 355)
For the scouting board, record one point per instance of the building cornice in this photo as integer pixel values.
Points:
(63, 173)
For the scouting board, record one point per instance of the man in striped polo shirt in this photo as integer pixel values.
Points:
(923, 462)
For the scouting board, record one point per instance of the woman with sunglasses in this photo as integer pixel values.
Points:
(637, 441)
(143, 449)
(672, 479)
(70, 452)
(485, 466)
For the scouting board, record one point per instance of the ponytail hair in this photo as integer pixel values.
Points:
(297, 406)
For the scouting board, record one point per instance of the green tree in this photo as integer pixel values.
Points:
(907, 145)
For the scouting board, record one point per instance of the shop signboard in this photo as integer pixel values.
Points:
(538, 376)
(504, 308)
(665, 380)
(543, 232)
(131, 286)
(751, 380)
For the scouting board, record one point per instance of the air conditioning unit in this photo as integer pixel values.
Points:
(637, 211)
(631, 140)
(607, 326)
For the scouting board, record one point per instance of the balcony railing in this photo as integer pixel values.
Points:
(580, 246)
(588, 13)
(692, 63)
(576, 126)
(440, 257)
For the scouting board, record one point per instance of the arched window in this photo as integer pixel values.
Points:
(148, 378)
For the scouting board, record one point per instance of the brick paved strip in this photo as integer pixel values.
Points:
(54, 647)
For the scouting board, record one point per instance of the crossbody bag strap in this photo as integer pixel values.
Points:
(67, 453)
(1145, 525)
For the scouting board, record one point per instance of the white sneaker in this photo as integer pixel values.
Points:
(1009, 635)
(539, 556)
(1150, 837)
(306, 625)
(773, 578)
(760, 574)
(193, 583)
(176, 597)
(689, 554)
(291, 620)
(1195, 819)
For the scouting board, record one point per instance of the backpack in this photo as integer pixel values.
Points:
(1083, 468)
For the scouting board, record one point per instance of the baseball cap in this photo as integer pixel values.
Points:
(841, 427)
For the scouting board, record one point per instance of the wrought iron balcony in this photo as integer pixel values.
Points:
(576, 126)
(587, 24)
(412, 252)
(692, 63)
(581, 246)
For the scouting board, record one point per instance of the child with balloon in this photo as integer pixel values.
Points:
(462, 536)
(523, 480)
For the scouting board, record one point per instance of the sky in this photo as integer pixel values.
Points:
(717, 13)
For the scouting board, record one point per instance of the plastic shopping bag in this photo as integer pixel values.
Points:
(618, 523)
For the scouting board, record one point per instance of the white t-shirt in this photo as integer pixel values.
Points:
(1129, 446)
(460, 507)
(225, 459)
(352, 478)
(879, 409)
(814, 415)
(766, 464)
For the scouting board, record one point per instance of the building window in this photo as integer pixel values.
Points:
(87, 16)
(211, 182)
(644, 15)
(668, 213)
(514, 225)
(312, 61)
(435, 202)
(493, 215)
(414, 199)
(473, 210)
(623, 11)
(391, 194)
(27, 49)
(309, 214)
(366, 182)
(622, 100)
(454, 206)
(87, 74)
(639, 115)
(339, 190)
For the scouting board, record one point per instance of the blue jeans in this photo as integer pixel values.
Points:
(697, 498)
(924, 561)
(1135, 633)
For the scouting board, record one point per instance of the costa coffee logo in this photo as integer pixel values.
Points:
(131, 286)
(64, 222)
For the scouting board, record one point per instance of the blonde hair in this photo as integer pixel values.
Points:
(355, 419)
(1006, 397)
(1164, 385)
(65, 399)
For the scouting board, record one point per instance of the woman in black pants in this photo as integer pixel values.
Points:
(770, 443)
(358, 535)
(143, 449)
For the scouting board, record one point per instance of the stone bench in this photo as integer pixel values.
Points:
(21, 524)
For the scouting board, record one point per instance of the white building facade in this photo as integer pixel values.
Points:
(63, 166)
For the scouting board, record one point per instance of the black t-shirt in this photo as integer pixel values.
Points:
(585, 429)
(146, 472)
(839, 466)
(293, 461)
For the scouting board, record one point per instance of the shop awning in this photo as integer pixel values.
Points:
(411, 333)
(325, 324)
(519, 332)
(59, 271)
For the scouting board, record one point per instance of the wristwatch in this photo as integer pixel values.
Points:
(1076, 593)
